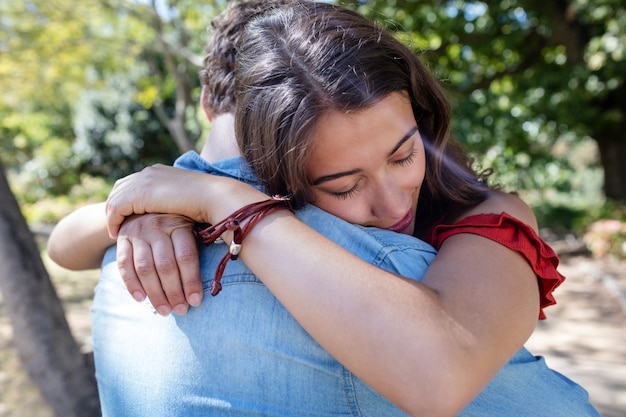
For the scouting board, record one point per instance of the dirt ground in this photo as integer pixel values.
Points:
(583, 338)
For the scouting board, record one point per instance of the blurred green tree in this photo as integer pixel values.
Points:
(63, 62)
(529, 80)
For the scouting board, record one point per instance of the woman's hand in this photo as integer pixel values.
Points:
(155, 189)
(199, 196)
(157, 256)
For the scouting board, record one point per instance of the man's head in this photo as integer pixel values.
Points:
(218, 73)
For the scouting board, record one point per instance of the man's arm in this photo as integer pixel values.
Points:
(80, 239)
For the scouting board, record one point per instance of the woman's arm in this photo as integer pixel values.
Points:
(429, 347)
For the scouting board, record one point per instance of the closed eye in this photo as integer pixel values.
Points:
(343, 195)
(406, 161)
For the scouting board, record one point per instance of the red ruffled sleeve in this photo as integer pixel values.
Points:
(515, 235)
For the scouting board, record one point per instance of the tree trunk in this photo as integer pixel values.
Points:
(42, 336)
(612, 156)
(610, 134)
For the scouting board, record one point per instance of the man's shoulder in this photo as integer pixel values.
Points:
(231, 167)
(396, 252)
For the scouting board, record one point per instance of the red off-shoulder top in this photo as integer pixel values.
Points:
(515, 235)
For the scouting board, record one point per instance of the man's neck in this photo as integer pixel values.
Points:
(221, 142)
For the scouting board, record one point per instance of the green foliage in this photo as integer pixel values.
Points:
(90, 87)
(562, 218)
(115, 134)
(51, 208)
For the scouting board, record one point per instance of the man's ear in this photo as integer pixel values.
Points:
(208, 114)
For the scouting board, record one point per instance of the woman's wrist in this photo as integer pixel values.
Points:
(224, 196)
(202, 197)
(236, 227)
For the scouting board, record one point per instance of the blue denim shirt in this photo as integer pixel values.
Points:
(242, 354)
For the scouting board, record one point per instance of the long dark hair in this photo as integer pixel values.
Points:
(299, 61)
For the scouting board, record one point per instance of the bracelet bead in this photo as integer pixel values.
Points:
(234, 248)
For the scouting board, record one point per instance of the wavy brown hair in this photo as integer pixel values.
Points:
(299, 61)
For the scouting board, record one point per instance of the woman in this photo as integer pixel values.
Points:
(334, 111)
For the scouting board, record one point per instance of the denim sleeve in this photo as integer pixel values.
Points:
(401, 254)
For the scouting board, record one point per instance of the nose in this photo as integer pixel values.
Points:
(389, 201)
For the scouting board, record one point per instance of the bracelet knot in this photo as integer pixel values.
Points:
(240, 223)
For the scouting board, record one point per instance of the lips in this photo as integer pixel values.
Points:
(402, 224)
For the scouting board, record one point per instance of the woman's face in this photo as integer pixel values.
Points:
(367, 167)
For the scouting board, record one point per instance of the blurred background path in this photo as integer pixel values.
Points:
(584, 336)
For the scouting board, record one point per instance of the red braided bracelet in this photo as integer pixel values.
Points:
(253, 213)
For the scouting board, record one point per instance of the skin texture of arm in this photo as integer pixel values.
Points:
(80, 239)
(428, 347)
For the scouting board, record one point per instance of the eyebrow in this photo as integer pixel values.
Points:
(404, 139)
(325, 178)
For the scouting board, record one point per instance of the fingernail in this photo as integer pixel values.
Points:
(194, 299)
(139, 296)
(180, 309)
(163, 310)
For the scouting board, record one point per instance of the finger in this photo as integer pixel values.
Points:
(147, 274)
(167, 270)
(114, 208)
(113, 221)
(127, 269)
(186, 252)
(114, 218)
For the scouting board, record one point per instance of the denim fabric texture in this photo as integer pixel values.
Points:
(242, 354)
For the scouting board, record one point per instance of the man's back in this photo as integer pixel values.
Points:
(241, 352)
